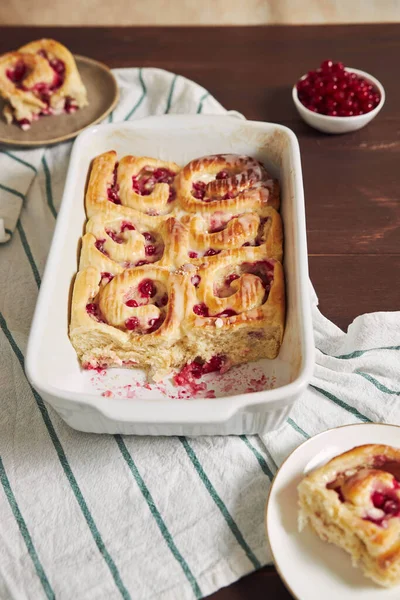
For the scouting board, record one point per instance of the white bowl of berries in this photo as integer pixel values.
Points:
(338, 99)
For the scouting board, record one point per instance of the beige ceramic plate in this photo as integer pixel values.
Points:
(102, 92)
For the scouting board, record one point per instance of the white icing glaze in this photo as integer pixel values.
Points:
(375, 513)
(205, 178)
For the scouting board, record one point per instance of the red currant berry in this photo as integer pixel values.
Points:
(338, 67)
(201, 310)
(132, 323)
(330, 104)
(377, 99)
(333, 91)
(367, 106)
(339, 96)
(357, 89)
(147, 289)
(303, 85)
(132, 303)
(148, 237)
(326, 66)
(312, 75)
(331, 87)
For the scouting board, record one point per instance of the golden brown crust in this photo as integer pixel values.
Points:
(354, 502)
(239, 230)
(248, 187)
(110, 180)
(158, 200)
(139, 234)
(40, 87)
(100, 179)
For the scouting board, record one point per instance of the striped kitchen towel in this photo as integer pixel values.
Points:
(90, 516)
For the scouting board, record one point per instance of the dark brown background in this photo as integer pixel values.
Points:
(351, 182)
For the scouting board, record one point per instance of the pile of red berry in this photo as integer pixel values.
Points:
(333, 91)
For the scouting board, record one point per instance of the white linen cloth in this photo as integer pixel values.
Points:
(89, 516)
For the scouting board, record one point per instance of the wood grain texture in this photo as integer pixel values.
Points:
(188, 12)
(264, 584)
(351, 182)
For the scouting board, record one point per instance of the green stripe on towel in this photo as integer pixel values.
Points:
(171, 91)
(28, 253)
(260, 459)
(20, 160)
(68, 471)
(342, 404)
(271, 458)
(157, 516)
(200, 106)
(25, 533)
(23, 237)
(377, 384)
(297, 428)
(220, 504)
(142, 97)
(12, 191)
(49, 193)
(358, 353)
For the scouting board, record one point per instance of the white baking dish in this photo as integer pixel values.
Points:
(78, 396)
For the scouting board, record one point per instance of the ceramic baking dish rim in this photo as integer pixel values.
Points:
(196, 410)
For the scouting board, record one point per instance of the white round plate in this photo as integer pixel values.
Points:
(310, 568)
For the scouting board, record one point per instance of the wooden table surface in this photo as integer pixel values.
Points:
(351, 182)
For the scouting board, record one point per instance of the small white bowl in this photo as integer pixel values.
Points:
(340, 124)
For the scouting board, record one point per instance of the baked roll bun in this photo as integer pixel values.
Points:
(158, 277)
(142, 183)
(227, 183)
(354, 502)
(41, 78)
